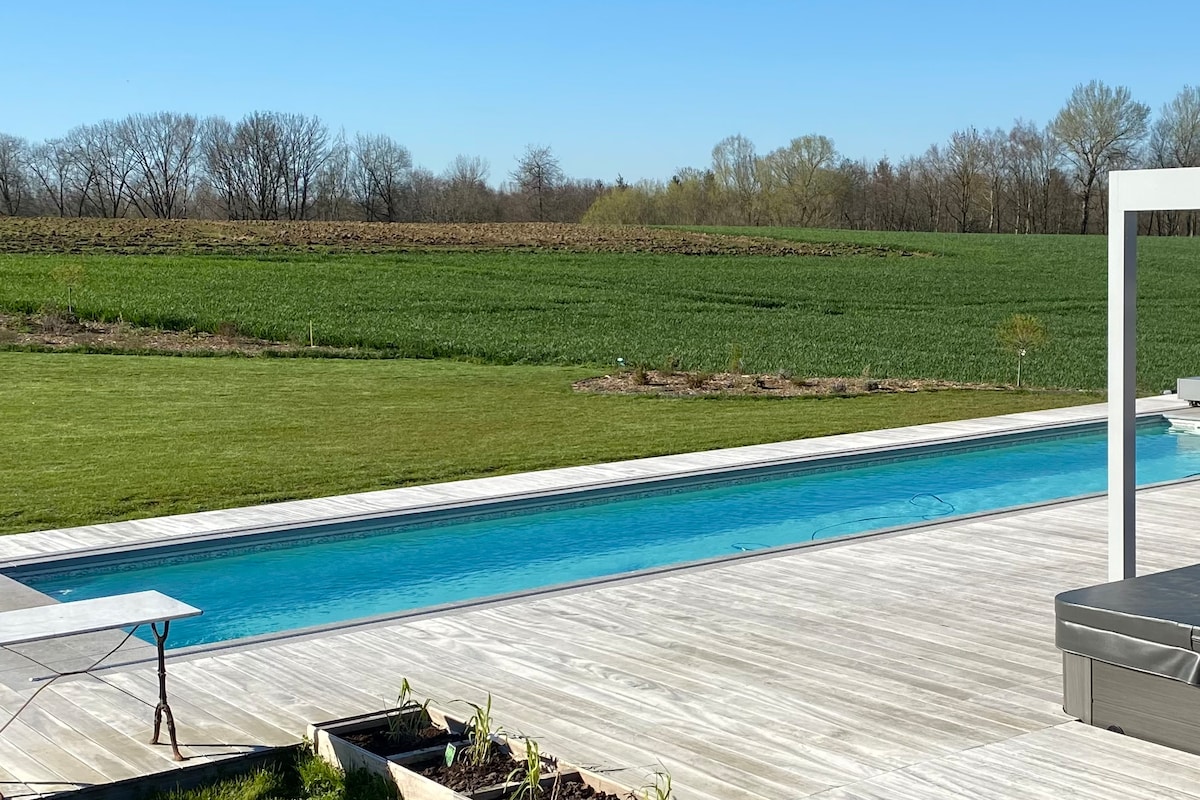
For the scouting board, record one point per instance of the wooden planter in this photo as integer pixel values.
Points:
(328, 741)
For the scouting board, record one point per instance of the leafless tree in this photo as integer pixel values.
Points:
(1175, 142)
(468, 196)
(537, 176)
(257, 142)
(303, 147)
(52, 165)
(266, 166)
(1175, 136)
(931, 178)
(14, 182)
(164, 149)
(736, 167)
(333, 185)
(964, 169)
(381, 177)
(1098, 127)
(104, 164)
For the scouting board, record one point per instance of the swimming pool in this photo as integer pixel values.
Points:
(332, 574)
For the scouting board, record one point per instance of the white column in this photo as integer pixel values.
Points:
(1122, 387)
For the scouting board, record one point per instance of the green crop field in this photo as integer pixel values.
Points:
(922, 316)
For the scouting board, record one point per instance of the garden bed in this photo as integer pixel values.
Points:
(708, 384)
(438, 764)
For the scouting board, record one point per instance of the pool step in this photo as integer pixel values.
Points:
(1184, 421)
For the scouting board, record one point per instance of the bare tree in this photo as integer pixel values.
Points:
(164, 149)
(225, 167)
(468, 196)
(333, 185)
(303, 147)
(735, 165)
(257, 143)
(266, 166)
(14, 183)
(381, 177)
(1175, 137)
(51, 163)
(1033, 165)
(965, 157)
(104, 165)
(537, 176)
(1175, 142)
(931, 177)
(1098, 127)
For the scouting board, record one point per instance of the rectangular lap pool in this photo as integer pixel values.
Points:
(334, 573)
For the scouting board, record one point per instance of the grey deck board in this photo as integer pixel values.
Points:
(866, 670)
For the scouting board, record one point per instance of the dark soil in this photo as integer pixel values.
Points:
(573, 788)
(380, 742)
(462, 776)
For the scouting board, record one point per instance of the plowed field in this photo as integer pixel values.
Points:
(141, 236)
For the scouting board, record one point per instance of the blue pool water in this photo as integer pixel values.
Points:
(342, 575)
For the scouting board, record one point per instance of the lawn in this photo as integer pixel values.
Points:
(920, 316)
(99, 438)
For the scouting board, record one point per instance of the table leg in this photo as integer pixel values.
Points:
(162, 709)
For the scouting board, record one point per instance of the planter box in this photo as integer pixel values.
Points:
(329, 740)
(399, 768)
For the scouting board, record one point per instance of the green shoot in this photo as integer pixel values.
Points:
(660, 789)
(529, 786)
(480, 732)
(411, 718)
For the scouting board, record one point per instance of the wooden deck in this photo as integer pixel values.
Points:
(919, 665)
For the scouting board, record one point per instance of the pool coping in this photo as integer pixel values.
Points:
(25, 549)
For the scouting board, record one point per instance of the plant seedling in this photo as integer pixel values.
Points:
(530, 785)
(411, 718)
(660, 789)
(480, 732)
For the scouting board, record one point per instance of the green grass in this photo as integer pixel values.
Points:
(900, 317)
(93, 438)
(293, 776)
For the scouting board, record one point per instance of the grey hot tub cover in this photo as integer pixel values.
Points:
(1148, 623)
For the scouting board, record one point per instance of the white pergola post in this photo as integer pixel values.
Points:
(1128, 193)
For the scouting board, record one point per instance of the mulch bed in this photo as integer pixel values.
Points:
(381, 742)
(694, 384)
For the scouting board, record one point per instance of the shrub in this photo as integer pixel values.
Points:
(1020, 335)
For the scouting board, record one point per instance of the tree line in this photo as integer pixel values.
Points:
(1027, 179)
(269, 165)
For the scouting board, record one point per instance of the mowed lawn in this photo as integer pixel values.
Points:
(928, 317)
(97, 438)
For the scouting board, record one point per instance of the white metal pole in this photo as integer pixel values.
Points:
(1122, 389)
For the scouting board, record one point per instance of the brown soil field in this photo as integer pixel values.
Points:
(135, 236)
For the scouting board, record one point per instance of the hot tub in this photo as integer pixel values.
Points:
(1131, 656)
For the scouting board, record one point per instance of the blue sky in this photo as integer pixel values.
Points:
(616, 87)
